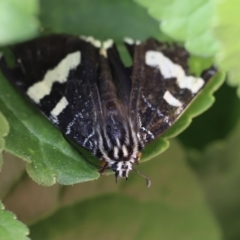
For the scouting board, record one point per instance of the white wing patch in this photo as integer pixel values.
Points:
(171, 100)
(107, 44)
(129, 41)
(59, 74)
(170, 69)
(96, 43)
(192, 83)
(60, 106)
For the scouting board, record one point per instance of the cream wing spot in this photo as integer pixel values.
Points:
(128, 40)
(170, 69)
(59, 74)
(60, 106)
(192, 83)
(96, 43)
(171, 100)
(107, 44)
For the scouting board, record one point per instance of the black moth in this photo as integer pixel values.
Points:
(113, 111)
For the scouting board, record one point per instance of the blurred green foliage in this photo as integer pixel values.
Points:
(195, 193)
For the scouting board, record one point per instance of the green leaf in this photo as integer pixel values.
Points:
(4, 129)
(95, 18)
(213, 125)
(227, 30)
(49, 157)
(218, 170)
(172, 208)
(188, 21)
(18, 20)
(10, 227)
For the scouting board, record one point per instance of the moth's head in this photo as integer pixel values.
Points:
(122, 169)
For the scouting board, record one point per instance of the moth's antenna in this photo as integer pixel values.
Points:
(148, 180)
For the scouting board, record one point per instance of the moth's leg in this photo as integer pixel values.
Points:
(103, 167)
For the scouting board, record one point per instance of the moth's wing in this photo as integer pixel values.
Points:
(59, 74)
(162, 86)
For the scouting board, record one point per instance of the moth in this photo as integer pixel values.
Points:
(82, 86)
